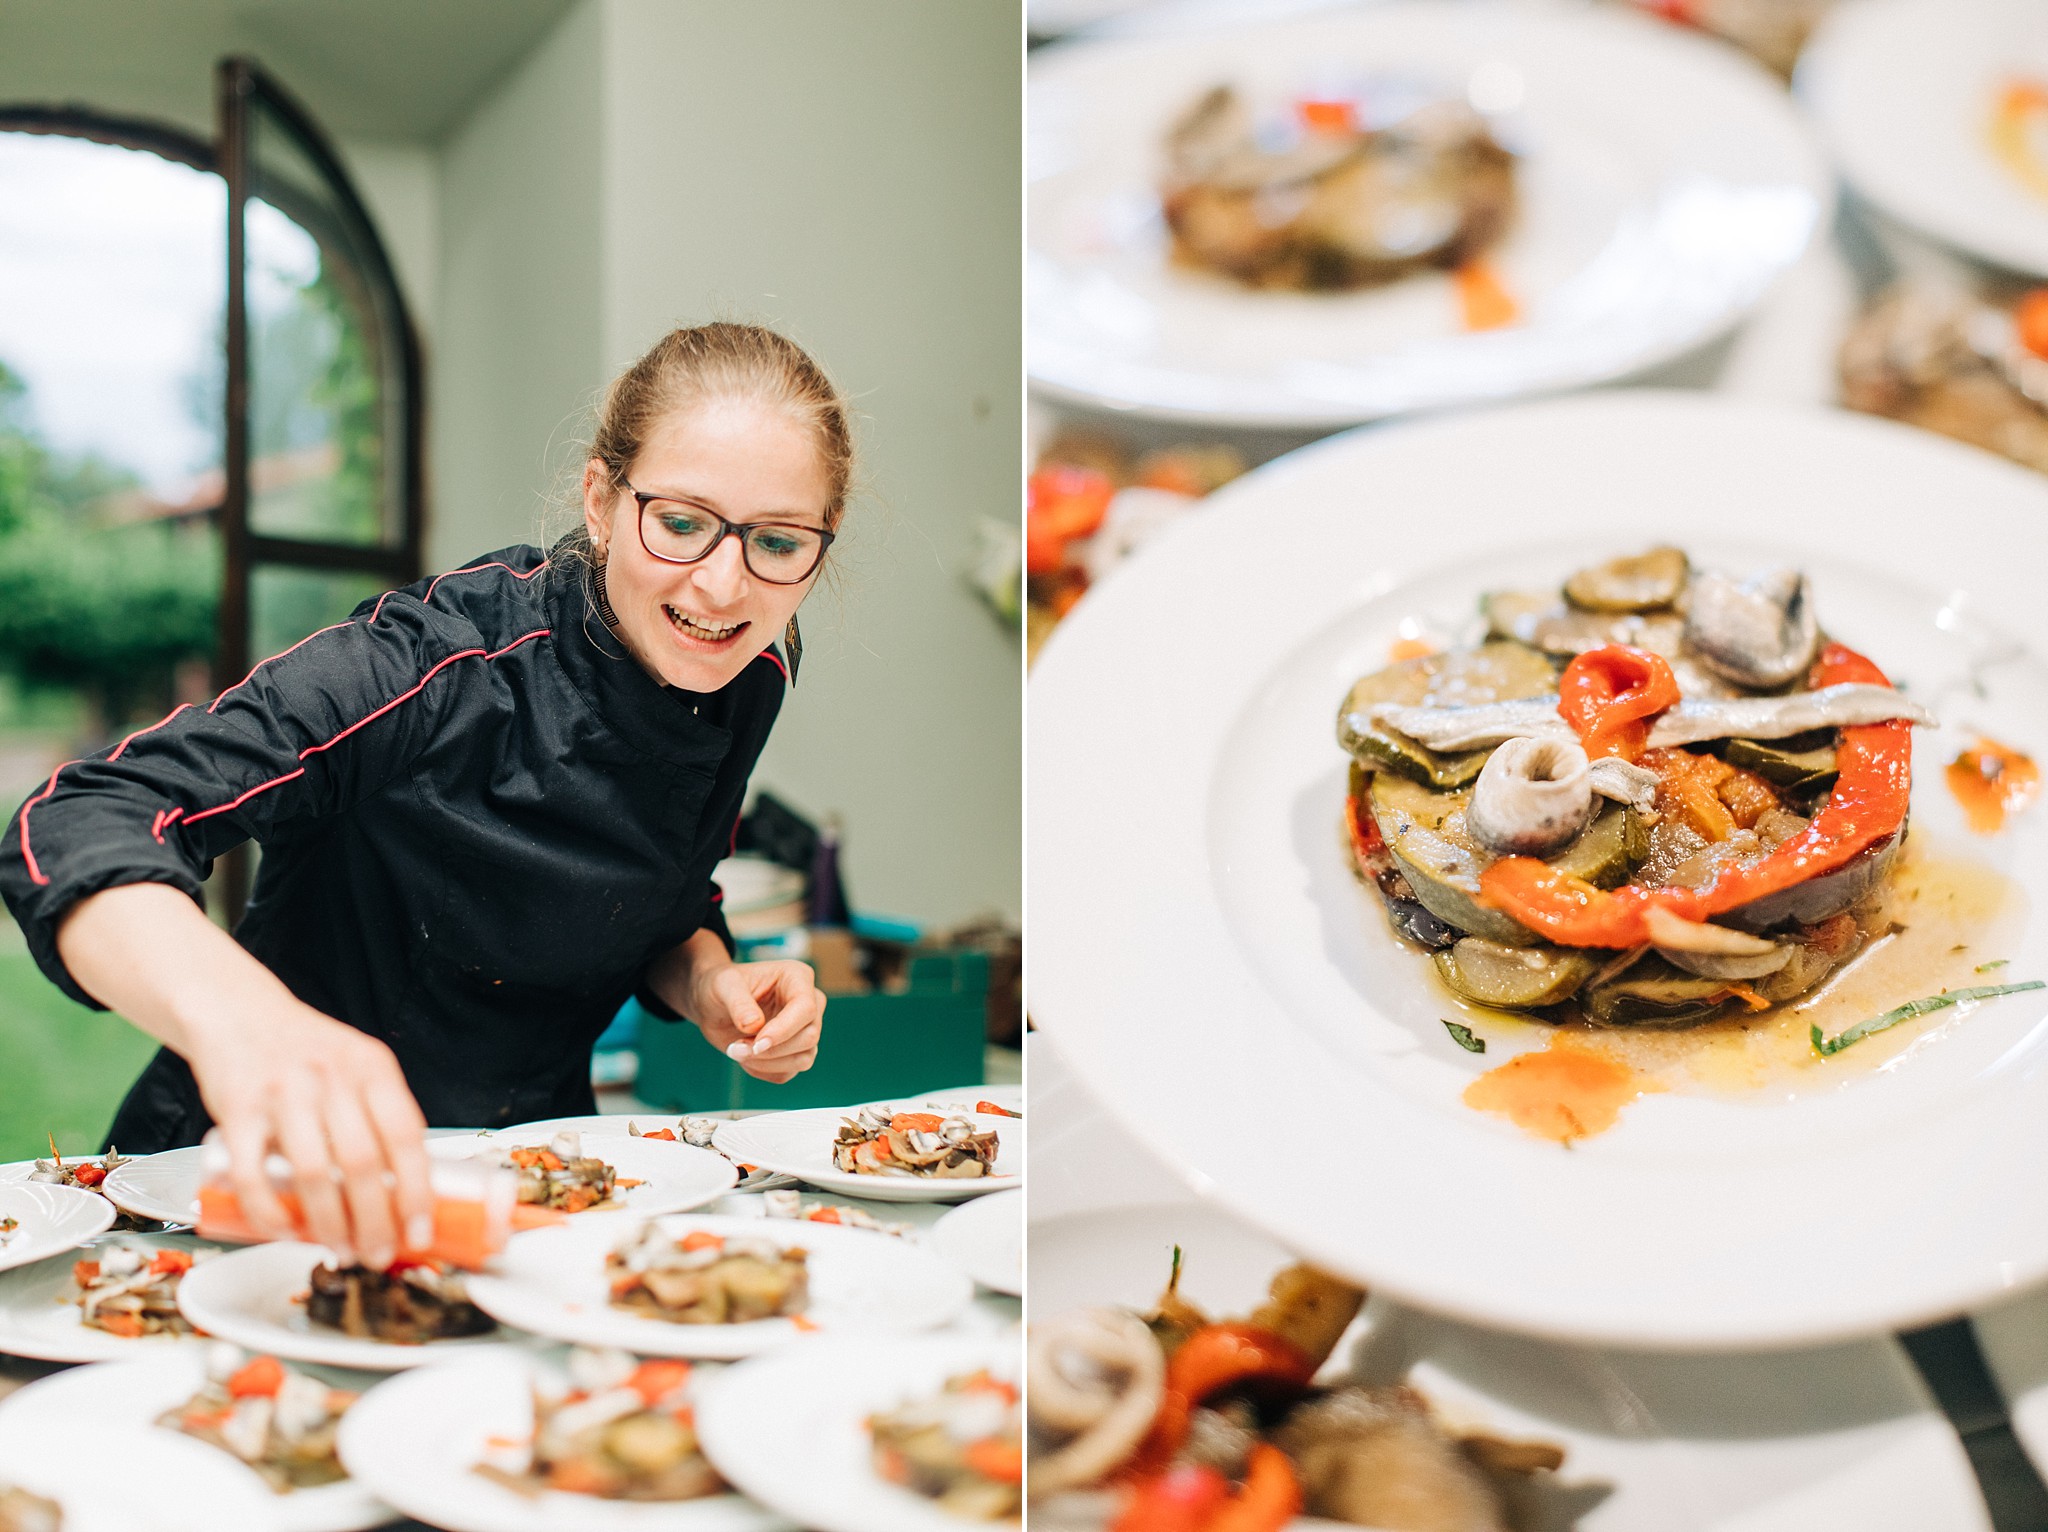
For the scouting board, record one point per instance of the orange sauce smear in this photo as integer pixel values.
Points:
(1562, 1092)
(1992, 782)
(1483, 298)
(1409, 649)
(2016, 119)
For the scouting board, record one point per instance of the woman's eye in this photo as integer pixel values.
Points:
(777, 544)
(682, 523)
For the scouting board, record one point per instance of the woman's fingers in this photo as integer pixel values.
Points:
(739, 993)
(366, 1186)
(301, 1128)
(401, 1130)
(248, 1144)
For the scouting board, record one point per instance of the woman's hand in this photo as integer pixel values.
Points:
(274, 1072)
(766, 1017)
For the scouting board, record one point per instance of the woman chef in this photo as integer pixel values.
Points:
(489, 806)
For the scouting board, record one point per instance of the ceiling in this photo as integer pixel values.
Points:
(406, 70)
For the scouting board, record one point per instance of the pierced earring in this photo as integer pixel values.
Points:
(793, 648)
(599, 598)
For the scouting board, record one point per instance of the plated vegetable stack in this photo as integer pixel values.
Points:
(1656, 797)
(1173, 1422)
(962, 1447)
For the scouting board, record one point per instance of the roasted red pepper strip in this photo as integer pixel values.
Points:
(1180, 1501)
(1268, 1499)
(1868, 805)
(1610, 695)
(1211, 1359)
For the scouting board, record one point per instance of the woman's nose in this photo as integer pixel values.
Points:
(722, 573)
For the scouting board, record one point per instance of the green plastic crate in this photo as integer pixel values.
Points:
(929, 1037)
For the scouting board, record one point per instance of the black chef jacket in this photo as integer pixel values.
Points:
(480, 821)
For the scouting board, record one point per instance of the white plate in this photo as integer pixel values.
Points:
(39, 1315)
(160, 1186)
(248, 1296)
(552, 1282)
(672, 1176)
(649, 1122)
(1258, 1028)
(800, 1144)
(1665, 183)
(1838, 1439)
(126, 1478)
(962, 1098)
(986, 1236)
(1903, 91)
(135, 1392)
(417, 1440)
(810, 1405)
(51, 1219)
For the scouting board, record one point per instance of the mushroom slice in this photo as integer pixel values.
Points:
(1643, 583)
(1711, 951)
(1756, 632)
(1533, 796)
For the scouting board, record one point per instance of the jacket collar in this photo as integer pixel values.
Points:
(663, 721)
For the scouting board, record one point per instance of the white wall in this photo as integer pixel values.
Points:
(850, 173)
(517, 348)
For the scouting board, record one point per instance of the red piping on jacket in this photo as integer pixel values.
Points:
(775, 659)
(37, 875)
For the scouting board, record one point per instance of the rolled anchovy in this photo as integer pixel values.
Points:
(1832, 707)
(1469, 728)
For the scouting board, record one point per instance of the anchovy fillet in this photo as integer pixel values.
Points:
(1832, 707)
(1690, 722)
(1471, 728)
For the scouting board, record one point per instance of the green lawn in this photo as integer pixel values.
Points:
(63, 1068)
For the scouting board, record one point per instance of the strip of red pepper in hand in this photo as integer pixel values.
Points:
(1609, 695)
(1268, 1499)
(1867, 806)
(1210, 1360)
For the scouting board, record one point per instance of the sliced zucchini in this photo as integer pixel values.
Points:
(1514, 978)
(1646, 582)
(1543, 622)
(1425, 834)
(1821, 898)
(1494, 672)
(1794, 770)
(1653, 993)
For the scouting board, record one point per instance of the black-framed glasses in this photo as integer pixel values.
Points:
(678, 532)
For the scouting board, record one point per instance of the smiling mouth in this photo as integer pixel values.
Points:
(703, 632)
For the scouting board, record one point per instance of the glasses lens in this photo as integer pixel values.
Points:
(677, 531)
(782, 554)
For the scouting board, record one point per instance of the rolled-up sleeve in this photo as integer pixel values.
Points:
(306, 734)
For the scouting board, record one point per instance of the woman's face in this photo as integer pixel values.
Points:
(697, 626)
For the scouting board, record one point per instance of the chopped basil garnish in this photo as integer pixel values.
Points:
(1463, 1037)
(1828, 1046)
(1994, 963)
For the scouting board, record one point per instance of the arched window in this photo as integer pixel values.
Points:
(209, 412)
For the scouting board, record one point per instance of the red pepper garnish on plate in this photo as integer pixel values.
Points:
(1063, 502)
(1179, 1501)
(1609, 695)
(1867, 806)
(1268, 1499)
(88, 1174)
(2031, 318)
(1327, 115)
(1208, 1361)
(260, 1378)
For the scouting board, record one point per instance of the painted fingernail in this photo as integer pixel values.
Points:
(419, 1231)
(740, 1052)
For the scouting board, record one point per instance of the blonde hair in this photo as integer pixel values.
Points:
(725, 361)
